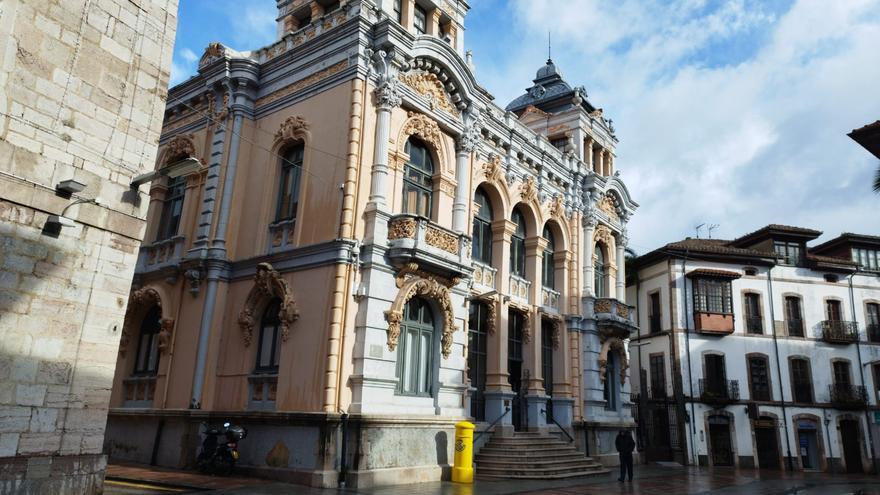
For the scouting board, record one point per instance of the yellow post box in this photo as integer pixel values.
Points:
(463, 469)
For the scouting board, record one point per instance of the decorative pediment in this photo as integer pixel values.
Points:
(139, 302)
(214, 51)
(609, 205)
(603, 234)
(268, 285)
(292, 129)
(423, 127)
(416, 283)
(429, 86)
(180, 146)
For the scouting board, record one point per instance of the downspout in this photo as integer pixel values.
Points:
(687, 338)
(779, 368)
(642, 385)
(852, 302)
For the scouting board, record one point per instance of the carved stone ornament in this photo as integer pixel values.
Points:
(442, 240)
(526, 311)
(139, 302)
(492, 169)
(555, 329)
(608, 204)
(428, 287)
(528, 190)
(388, 95)
(292, 129)
(180, 146)
(622, 311)
(429, 85)
(166, 331)
(217, 116)
(268, 285)
(402, 228)
(603, 235)
(469, 139)
(611, 345)
(557, 206)
(602, 306)
(425, 128)
(213, 52)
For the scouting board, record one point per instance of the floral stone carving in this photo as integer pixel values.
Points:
(404, 228)
(419, 284)
(428, 85)
(139, 302)
(268, 285)
(442, 240)
(613, 345)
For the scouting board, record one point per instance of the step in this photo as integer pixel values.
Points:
(520, 457)
(547, 477)
(536, 465)
(527, 449)
(525, 443)
(538, 473)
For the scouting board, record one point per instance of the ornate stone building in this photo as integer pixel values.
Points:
(371, 234)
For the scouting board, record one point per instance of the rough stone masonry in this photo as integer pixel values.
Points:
(84, 84)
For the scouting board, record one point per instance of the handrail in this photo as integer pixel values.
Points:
(551, 418)
(493, 423)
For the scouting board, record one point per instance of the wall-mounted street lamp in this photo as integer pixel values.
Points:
(55, 222)
(177, 169)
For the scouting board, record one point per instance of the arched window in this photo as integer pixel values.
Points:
(172, 208)
(288, 191)
(611, 393)
(268, 350)
(418, 185)
(548, 267)
(518, 245)
(147, 360)
(599, 273)
(482, 230)
(415, 353)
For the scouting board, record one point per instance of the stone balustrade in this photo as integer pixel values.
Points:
(412, 238)
(161, 253)
(550, 298)
(484, 277)
(519, 289)
(281, 235)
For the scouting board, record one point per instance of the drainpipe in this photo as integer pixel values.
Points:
(687, 337)
(642, 386)
(779, 368)
(852, 302)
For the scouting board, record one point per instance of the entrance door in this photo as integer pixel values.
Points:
(852, 451)
(719, 436)
(477, 334)
(547, 364)
(768, 448)
(514, 366)
(808, 446)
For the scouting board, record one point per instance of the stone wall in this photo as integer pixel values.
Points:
(83, 89)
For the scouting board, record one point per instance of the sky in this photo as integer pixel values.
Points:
(730, 113)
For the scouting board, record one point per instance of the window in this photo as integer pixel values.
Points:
(873, 319)
(548, 267)
(415, 352)
(793, 316)
(712, 296)
(518, 245)
(841, 373)
(482, 229)
(611, 391)
(599, 277)
(147, 357)
(398, 10)
(754, 321)
(515, 322)
(790, 253)
(801, 381)
(418, 184)
(477, 351)
(715, 383)
(868, 259)
(658, 377)
(288, 192)
(876, 368)
(759, 378)
(172, 207)
(560, 143)
(268, 349)
(420, 20)
(832, 310)
(654, 308)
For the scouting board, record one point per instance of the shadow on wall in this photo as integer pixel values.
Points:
(442, 444)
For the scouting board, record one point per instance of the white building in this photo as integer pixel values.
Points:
(759, 352)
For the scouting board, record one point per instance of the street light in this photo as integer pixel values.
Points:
(177, 169)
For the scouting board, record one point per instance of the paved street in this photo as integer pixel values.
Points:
(650, 480)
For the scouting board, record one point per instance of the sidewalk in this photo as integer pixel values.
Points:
(138, 473)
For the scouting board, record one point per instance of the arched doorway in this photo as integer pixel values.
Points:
(766, 442)
(808, 444)
(720, 447)
(850, 437)
(478, 331)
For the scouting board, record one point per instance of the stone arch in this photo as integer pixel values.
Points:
(531, 215)
(613, 344)
(140, 302)
(268, 285)
(604, 239)
(496, 191)
(796, 420)
(731, 429)
(560, 233)
(177, 148)
(426, 129)
(432, 291)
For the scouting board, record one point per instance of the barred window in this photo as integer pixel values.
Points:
(712, 296)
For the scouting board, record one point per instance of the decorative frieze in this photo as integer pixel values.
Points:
(608, 205)
(303, 83)
(429, 85)
(402, 228)
(442, 240)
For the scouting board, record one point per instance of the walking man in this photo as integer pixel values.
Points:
(625, 446)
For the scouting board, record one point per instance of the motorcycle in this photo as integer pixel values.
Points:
(220, 448)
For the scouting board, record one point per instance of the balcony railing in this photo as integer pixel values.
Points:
(262, 390)
(655, 324)
(840, 332)
(795, 327)
(612, 317)
(161, 253)
(519, 289)
(754, 324)
(138, 391)
(658, 393)
(873, 332)
(550, 298)
(484, 277)
(713, 323)
(846, 396)
(412, 238)
(281, 235)
(803, 393)
(719, 391)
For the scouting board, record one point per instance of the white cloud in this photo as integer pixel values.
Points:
(188, 55)
(731, 114)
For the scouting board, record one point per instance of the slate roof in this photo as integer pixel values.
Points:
(869, 137)
(549, 89)
(775, 228)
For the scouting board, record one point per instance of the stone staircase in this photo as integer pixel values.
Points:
(533, 456)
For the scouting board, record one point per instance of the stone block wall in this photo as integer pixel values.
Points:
(82, 92)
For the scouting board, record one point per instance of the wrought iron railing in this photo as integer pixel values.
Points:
(803, 393)
(873, 331)
(840, 332)
(754, 324)
(846, 396)
(795, 327)
(719, 391)
(549, 415)
(493, 423)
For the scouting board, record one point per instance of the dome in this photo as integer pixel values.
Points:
(547, 71)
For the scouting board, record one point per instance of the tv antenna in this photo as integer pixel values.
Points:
(712, 227)
(698, 227)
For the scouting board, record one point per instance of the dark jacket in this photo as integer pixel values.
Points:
(625, 444)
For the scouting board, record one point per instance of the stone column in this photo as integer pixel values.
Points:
(465, 145)
(387, 97)
(600, 164)
(498, 394)
(588, 152)
(621, 267)
(589, 224)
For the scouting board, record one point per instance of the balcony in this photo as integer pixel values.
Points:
(613, 317)
(519, 289)
(713, 323)
(161, 254)
(846, 396)
(138, 391)
(755, 325)
(719, 392)
(484, 277)
(873, 332)
(550, 299)
(415, 239)
(840, 332)
(262, 390)
(281, 235)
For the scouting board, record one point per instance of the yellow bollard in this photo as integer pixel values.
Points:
(463, 469)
